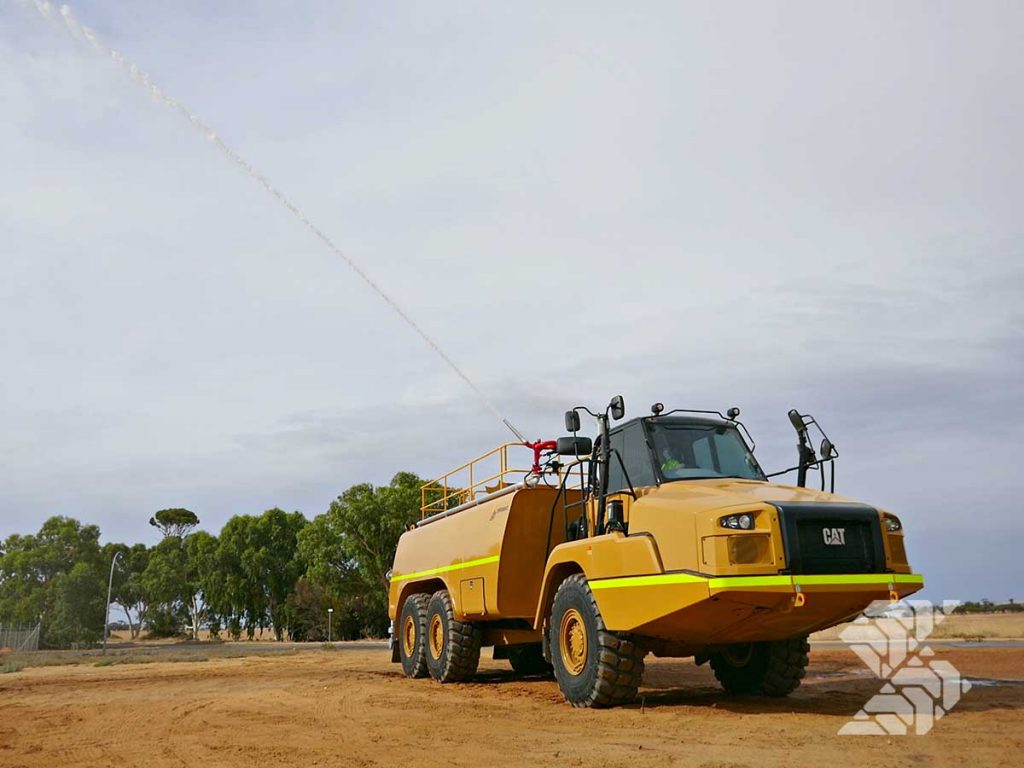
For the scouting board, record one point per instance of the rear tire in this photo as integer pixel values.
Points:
(452, 646)
(772, 668)
(412, 636)
(528, 660)
(593, 667)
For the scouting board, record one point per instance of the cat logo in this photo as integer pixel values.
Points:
(834, 537)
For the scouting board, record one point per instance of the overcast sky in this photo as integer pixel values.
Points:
(770, 205)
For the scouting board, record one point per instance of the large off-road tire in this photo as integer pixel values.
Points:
(453, 647)
(772, 668)
(593, 667)
(528, 660)
(412, 636)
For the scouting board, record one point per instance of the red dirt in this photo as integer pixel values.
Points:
(354, 708)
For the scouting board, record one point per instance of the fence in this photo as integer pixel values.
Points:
(19, 637)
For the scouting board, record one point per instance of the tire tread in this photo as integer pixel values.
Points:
(620, 660)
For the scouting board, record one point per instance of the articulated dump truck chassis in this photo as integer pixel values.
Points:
(663, 536)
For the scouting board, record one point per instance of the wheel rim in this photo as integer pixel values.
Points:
(739, 655)
(409, 636)
(436, 635)
(572, 641)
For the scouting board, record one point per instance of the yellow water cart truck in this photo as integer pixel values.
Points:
(663, 535)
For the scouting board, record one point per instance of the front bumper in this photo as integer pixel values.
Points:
(694, 609)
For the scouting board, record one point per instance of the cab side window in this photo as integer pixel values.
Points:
(631, 444)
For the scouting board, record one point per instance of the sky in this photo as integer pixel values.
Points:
(772, 205)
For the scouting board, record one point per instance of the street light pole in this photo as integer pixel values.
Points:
(330, 616)
(110, 589)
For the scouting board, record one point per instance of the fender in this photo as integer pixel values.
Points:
(425, 586)
(610, 555)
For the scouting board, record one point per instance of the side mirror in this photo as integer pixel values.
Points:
(572, 422)
(828, 451)
(618, 407)
(797, 420)
(574, 446)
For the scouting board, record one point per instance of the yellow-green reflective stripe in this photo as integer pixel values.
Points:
(739, 582)
(744, 582)
(863, 578)
(446, 568)
(909, 578)
(648, 581)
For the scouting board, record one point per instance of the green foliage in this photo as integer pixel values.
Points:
(271, 570)
(259, 561)
(79, 607)
(163, 620)
(173, 582)
(307, 609)
(987, 606)
(56, 577)
(350, 548)
(174, 522)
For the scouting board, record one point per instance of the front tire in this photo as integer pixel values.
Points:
(453, 646)
(593, 666)
(772, 668)
(412, 636)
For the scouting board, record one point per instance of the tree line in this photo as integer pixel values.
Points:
(987, 606)
(276, 571)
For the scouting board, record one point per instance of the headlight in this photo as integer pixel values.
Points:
(742, 522)
(892, 523)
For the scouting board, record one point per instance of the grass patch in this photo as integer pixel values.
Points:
(11, 666)
(972, 638)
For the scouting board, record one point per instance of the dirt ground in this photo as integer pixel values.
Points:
(352, 707)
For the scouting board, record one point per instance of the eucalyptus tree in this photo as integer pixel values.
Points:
(260, 565)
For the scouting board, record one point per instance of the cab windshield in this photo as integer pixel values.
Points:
(694, 451)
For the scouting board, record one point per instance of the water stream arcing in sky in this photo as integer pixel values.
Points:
(65, 14)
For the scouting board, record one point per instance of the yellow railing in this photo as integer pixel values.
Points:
(472, 480)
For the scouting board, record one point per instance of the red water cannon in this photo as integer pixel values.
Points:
(539, 447)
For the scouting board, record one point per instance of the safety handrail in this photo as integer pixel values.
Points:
(448, 491)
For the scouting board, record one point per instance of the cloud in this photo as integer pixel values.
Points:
(772, 207)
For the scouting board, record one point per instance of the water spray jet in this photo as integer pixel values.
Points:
(79, 29)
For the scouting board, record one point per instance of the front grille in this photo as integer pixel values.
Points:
(831, 538)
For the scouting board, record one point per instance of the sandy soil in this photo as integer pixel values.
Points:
(352, 707)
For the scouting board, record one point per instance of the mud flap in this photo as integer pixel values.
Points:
(393, 645)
